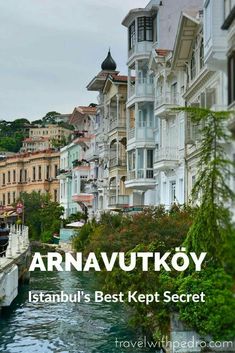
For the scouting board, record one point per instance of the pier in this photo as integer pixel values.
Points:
(14, 265)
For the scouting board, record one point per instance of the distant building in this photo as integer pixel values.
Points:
(27, 172)
(44, 137)
(109, 138)
(76, 167)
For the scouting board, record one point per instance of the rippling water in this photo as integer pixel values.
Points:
(63, 327)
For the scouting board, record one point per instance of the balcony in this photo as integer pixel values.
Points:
(141, 88)
(121, 201)
(143, 48)
(83, 198)
(166, 158)
(117, 162)
(63, 174)
(91, 188)
(141, 134)
(164, 103)
(117, 123)
(140, 179)
(91, 154)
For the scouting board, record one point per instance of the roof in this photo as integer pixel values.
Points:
(162, 52)
(151, 7)
(188, 25)
(122, 78)
(86, 110)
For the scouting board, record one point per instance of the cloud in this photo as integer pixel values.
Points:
(51, 49)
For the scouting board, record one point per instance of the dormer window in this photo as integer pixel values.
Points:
(132, 35)
(145, 29)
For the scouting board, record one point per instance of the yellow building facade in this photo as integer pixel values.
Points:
(28, 172)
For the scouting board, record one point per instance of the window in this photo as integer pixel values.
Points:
(140, 163)
(56, 170)
(4, 199)
(172, 191)
(201, 54)
(231, 78)
(3, 179)
(9, 176)
(174, 93)
(8, 198)
(55, 195)
(149, 171)
(145, 29)
(47, 172)
(131, 160)
(193, 66)
(132, 35)
(149, 158)
(142, 118)
(14, 176)
(25, 175)
(208, 20)
(34, 173)
(14, 197)
(39, 173)
(21, 175)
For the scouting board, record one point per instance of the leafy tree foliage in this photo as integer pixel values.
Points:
(12, 134)
(208, 227)
(42, 215)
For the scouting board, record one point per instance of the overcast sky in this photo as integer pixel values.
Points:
(51, 49)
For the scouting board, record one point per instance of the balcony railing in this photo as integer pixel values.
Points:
(168, 98)
(141, 87)
(140, 174)
(166, 153)
(131, 133)
(116, 123)
(117, 162)
(121, 200)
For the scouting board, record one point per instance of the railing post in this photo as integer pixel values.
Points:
(9, 254)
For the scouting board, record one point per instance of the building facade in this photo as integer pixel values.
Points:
(44, 137)
(155, 134)
(110, 138)
(28, 172)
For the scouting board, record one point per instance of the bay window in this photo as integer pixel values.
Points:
(145, 29)
(132, 35)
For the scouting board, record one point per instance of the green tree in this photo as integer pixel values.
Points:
(212, 227)
(42, 215)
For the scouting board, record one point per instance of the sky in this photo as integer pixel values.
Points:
(51, 49)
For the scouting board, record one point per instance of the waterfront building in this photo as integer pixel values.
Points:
(44, 137)
(27, 172)
(228, 26)
(110, 137)
(155, 136)
(76, 168)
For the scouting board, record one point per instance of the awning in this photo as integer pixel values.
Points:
(75, 224)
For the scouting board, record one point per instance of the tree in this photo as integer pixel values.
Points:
(49, 118)
(41, 215)
(212, 226)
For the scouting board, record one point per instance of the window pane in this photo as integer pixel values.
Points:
(132, 35)
(149, 158)
(140, 155)
(145, 29)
